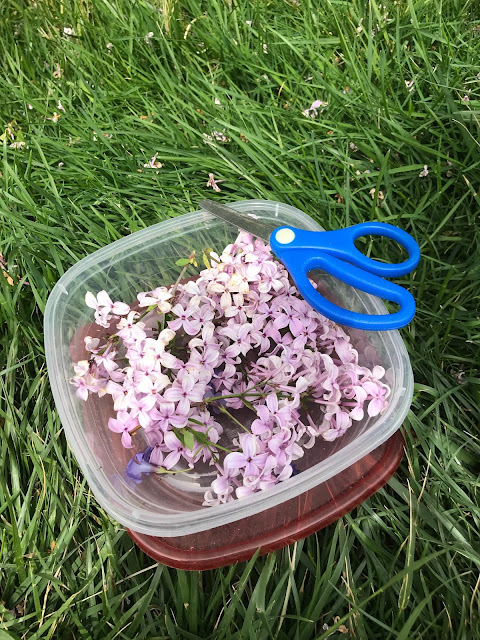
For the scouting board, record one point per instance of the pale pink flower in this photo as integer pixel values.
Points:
(318, 106)
(281, 415)
(187, 319)
(263, 425)
(84, 384)
(236, 306)
(241, 340)
(91, 344)
(378, 393)
(130, 330)
(123, 424)
(212, 182)
(104, 306)
(424, 172)
(141, 408)
(153, 163)
(158, 297)
(176, 449)
(185, 391)
(166, 415)
(122, 394)
(251, 460)
(152, 384)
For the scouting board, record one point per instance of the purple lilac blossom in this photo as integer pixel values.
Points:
(238, 337)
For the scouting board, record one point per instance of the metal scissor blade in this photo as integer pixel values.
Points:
(241, 220)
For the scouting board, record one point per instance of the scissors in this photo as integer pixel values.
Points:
(335, 252)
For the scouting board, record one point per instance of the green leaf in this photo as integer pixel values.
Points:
(248, 404)
(8, 636)
(180, 435)
(189, 439)
(200, 437)
(182, 262)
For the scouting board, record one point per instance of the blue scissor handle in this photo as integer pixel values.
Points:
(334, 251)
(341, 244)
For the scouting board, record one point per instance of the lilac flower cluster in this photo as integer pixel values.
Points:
(239, 336)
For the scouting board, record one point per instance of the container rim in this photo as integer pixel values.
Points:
(177, 524)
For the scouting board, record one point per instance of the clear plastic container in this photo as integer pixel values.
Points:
(170, 506)
(279, 526)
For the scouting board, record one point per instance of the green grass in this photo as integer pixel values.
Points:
(405, 564)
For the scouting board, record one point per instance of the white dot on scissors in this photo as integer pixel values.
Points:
(285, 236)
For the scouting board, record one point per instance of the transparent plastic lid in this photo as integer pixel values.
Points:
(172, 505)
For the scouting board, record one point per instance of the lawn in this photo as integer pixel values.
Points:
(91, 91)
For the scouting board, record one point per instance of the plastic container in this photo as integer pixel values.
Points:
(171, 506)
(278, 527)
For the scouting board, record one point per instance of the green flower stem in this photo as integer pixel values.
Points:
(182, 273)
(149, 309)
(226, 412)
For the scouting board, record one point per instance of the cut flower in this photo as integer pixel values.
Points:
(236, 346)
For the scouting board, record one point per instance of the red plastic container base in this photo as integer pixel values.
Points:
(281, 525)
